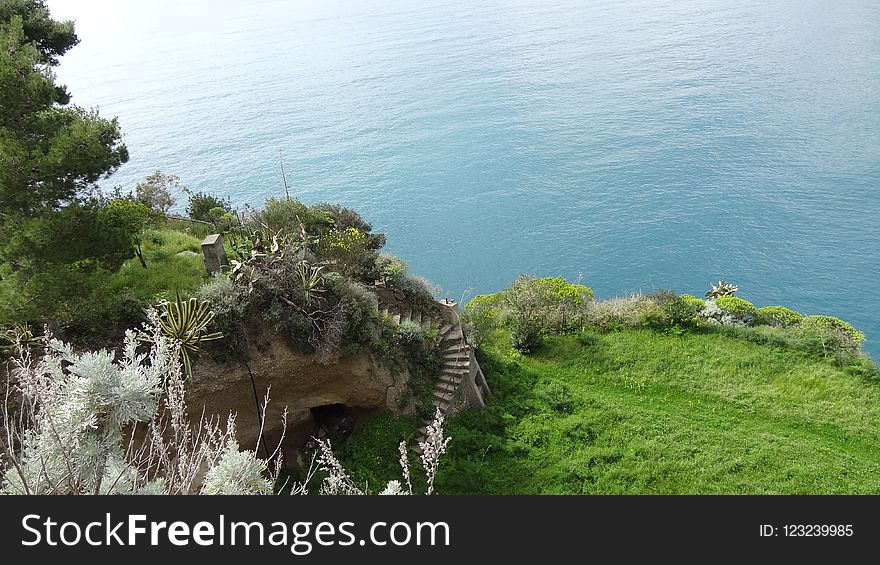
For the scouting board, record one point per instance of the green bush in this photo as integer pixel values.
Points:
(202, 204)
(830, 323)
(342, 218)
(481, 316)
(674, 310)
(651, 314)
(777, 316)
(228, 305)
(558, 396)
(391, 269)
(563, 290)
(736, 306)
(525, 335)
(289, 215)
(694, 302)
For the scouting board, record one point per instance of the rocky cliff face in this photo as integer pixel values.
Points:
(295, 381)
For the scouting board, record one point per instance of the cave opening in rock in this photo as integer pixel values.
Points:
(332, 420)
(335, 422)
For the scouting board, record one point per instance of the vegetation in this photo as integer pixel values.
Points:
(186, 323)
(639, 411)
(51, 154)
(778, 316)
(736, 306)
(648, 395)
(723, 288)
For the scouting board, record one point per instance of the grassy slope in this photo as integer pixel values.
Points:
(642, 412)
(166, 270)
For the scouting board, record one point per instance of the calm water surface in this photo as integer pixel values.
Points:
(643, 143)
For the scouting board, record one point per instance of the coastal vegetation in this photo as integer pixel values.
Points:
(659, 394)
(106, 306)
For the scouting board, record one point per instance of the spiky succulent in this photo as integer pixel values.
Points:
(723, 288)
(186, 322)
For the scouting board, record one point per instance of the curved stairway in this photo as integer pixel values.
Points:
(461, 382)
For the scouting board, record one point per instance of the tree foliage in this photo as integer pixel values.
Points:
(51, 155)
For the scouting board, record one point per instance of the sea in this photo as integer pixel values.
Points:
(636, 144)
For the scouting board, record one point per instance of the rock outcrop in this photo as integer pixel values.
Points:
(297, 382)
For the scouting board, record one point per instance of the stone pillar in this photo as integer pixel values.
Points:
(215, 254)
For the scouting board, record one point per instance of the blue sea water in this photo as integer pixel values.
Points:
(645, 144)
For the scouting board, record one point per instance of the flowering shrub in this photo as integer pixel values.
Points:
(778, 316)
(736, 306)
(830, 323)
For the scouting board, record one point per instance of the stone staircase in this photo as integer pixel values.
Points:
(461, 383)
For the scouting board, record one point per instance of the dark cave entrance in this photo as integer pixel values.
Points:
(335, 422)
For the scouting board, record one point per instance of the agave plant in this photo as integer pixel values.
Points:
(186, 321)
(311, 280)
(723, 288)
(19, 335)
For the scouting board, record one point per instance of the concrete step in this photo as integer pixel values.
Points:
(454, 336)
(456, 364)
(445, 329)
(443, 395)
(450, 380)
(456, 355)
(454, 347)
(441, 404)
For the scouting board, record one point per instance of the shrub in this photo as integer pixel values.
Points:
(738, 307)
(361, 305)
(558, 396)
(525, 335)
(391, 269)
(674, 310)
(349, 252)
(202, 204)
(155, 191)
(615, 313)
(778, 316)
(342, 218)
(693, 301)
(481, 316)
(651, 314)
(287, 215)
(551, 304)
(228, 304)
(830, 323)
(565, 291)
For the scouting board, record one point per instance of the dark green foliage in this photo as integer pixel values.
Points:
(343, 218)
(51, 155)
(202, 206)
(128, 219)
(51, 38)
(680, 311)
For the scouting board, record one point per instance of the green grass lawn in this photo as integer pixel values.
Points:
(637, 411)
(170, 266)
